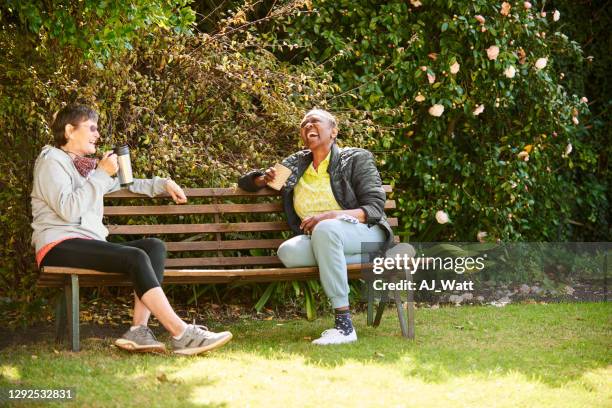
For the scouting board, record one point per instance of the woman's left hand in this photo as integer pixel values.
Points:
(176, 192)
(309, 223)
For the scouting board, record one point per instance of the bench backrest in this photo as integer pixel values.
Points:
(219, 227)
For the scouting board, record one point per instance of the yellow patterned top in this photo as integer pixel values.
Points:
(313, 194)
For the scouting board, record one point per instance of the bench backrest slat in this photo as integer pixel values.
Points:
(216, 192)
(264, 226)
(224, 245)
(223, 261)
(202, 209)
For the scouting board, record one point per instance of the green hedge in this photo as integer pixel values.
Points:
(201, 108)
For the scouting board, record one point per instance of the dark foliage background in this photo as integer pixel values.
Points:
(204, 90)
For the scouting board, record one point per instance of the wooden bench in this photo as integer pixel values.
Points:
(209, 240)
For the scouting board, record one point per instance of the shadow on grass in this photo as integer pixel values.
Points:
(554, 344)
(101, 374)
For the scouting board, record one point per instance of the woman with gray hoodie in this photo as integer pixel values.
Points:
(67, 209)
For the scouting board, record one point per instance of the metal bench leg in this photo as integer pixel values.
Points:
(60, 317)
(370, 292)
(381, 308)
(400, 312)
(410, 306)
(72, 301)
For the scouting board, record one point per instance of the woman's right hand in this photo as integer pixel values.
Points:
(268, 177)
(108, 163)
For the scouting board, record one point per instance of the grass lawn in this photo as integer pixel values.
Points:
(555, 355)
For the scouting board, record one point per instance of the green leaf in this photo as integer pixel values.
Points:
(265, 297)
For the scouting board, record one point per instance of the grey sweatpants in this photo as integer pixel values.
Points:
(332, 245)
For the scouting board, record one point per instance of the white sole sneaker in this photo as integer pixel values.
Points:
(208, 347)
(334, 336)
(139, 348)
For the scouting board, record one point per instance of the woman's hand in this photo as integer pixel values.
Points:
(108, 163)
(309, 223)
(268, 177)
(176, 192)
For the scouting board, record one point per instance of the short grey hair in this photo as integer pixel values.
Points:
(322, 112)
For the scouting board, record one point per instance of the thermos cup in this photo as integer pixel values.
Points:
(125, 165)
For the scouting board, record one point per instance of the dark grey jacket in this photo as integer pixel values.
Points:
(355, 183)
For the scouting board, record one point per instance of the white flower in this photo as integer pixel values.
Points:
(541, 63)
(527, 5)
(556, 15)
(481, 236)
(416, 3)
(442, 217)
(568, 149)
(510, 72)
(431, 78)
(543, 14)
(584, 99)
(436, 110)
(523, 156)
(493, 52)
(479, 109)
(575, 120)
(454, 68)
(419, 98)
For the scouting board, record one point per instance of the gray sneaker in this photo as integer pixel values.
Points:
(140, 340)
(198, 339)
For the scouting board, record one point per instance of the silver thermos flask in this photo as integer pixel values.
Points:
(125, 165)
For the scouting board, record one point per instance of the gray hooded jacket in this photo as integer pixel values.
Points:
(64, 203)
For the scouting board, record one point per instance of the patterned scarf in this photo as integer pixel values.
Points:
(85, 165)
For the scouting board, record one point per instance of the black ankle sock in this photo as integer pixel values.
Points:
(343, 322)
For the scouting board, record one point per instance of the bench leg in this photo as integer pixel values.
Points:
(400, 311)
(72, 301)
(60, 317)
(370, 293)
(381, 308)
(410, 307)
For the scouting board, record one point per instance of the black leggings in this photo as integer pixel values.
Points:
(142, 260)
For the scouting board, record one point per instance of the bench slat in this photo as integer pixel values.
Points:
(192, 209)
(202, 209)
(199, 228)
(222, 261)
(229, 245)
(264, 226)
(213, 192)
(224, 245)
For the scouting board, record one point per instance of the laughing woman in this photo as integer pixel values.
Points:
(67, 209)
(334, 201)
